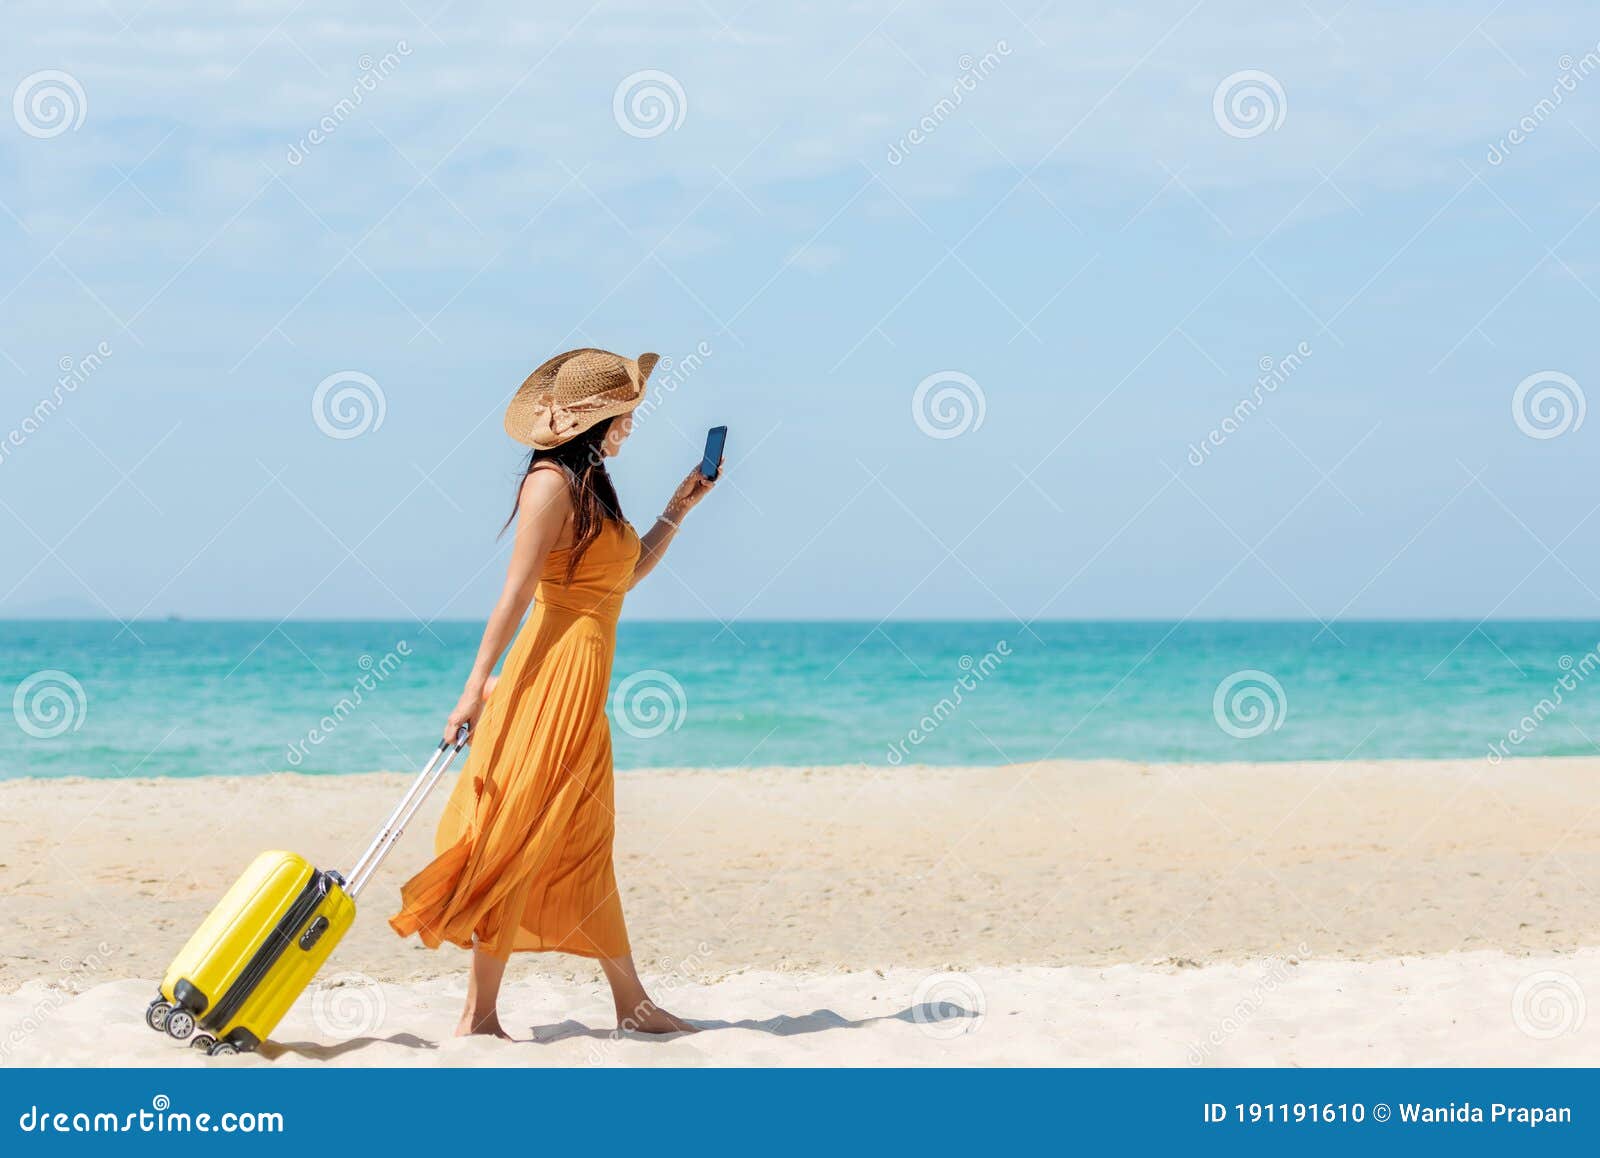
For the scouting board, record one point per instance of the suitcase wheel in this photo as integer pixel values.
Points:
(180, 1023)
(156, 1016)
(202, 1042)
(223, 1049)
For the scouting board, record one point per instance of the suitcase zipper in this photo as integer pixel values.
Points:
(271, 949)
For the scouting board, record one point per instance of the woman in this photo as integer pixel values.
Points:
(524, 848)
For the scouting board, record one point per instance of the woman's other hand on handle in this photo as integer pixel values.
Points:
(468, 709)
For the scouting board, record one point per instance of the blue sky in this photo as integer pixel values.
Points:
(1095, 238)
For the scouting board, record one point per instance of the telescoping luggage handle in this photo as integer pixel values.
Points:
(430, 775)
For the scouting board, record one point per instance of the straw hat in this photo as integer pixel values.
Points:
(574, 391)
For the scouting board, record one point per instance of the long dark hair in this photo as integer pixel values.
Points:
(594, 499)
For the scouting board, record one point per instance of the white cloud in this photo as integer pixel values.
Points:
(1105, 89)
(817, 257)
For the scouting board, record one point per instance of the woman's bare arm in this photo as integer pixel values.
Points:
(544, 508)
(653, 544)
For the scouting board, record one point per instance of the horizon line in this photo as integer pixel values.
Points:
(1130, 619)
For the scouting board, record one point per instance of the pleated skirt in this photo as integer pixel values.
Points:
(523, 851)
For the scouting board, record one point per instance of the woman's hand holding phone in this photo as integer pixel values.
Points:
(701, 479)
(691, 490)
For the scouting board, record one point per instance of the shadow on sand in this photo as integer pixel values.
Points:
(784, 1025)
(272, 1050)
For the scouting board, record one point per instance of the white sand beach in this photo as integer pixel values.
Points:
(1450, 1010)
(1375, 913)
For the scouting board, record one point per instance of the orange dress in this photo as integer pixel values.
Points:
(523, 851)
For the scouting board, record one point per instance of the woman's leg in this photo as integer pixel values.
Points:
(635, 1010)
(483, 990)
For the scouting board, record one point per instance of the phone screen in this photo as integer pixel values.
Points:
(716, 439)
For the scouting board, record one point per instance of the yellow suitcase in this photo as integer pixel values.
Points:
(265, 940)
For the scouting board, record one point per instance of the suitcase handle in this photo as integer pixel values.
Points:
(407, 808)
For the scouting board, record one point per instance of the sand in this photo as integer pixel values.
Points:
(1402, 912)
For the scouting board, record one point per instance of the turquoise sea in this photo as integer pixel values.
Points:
(237, 698)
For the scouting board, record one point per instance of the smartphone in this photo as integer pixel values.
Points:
(716, 439)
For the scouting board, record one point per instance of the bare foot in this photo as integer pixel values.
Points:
(648, 1017)
(487, 1024)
